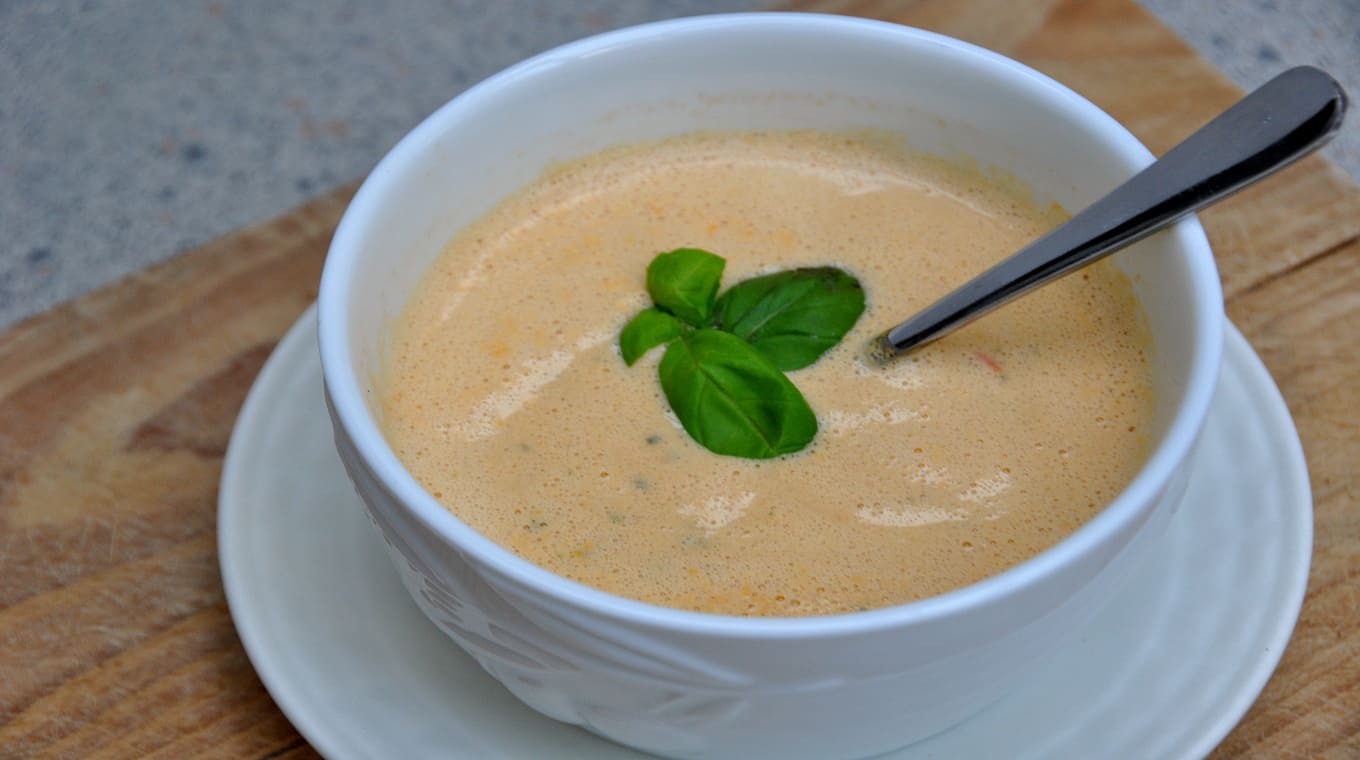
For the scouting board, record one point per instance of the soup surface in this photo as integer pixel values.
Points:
(506, 396)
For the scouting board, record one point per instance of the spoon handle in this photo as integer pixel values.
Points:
(1285, 119)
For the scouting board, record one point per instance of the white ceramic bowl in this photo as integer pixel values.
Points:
(689, 684)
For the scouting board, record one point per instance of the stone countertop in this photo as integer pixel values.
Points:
(131, 131)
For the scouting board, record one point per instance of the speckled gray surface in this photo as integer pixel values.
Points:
(1253, 40)
(130, 131)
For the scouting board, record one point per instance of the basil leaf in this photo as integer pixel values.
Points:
(684, 282)
(792, 317)
(731, 399)
(646, 331)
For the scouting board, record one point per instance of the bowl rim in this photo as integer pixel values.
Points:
(352, 413)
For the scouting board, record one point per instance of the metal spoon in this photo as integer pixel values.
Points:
(1284, 120)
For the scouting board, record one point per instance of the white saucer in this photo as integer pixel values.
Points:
(1166, 671)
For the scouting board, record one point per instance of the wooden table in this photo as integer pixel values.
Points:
(115, 410)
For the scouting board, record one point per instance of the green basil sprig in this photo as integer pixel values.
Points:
(723, 371)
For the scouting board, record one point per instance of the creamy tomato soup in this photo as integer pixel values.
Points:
(506, 396)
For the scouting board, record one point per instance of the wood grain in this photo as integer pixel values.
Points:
(115, 639)
(1305, 327)
(115, 410)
